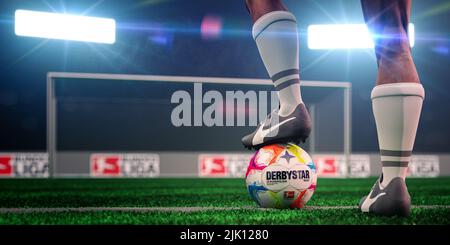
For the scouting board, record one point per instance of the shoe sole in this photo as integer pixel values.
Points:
(295, 140)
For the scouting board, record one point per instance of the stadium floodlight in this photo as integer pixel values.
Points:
(65, 26)
(344, 36)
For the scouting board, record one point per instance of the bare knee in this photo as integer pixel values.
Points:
(258, 8)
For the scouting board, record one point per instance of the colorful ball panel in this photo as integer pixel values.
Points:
(281, 176)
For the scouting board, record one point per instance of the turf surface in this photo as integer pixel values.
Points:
(47, 193)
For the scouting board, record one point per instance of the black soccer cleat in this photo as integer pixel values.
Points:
(391, 200)
(276, 129)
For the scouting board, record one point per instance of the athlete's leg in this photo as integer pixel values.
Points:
(388, 21)
(275, 34)
(396, 101)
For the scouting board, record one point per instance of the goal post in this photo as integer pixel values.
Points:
(53, 79)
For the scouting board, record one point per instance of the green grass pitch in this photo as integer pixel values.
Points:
(227, 198)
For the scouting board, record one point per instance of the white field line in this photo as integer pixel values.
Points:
(178, 209)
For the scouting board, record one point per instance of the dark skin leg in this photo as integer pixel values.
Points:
(258, 8)
(388, 20)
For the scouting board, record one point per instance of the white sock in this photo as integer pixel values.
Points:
(276, 36)
(396, 107)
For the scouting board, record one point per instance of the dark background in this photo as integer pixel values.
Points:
(163, 37)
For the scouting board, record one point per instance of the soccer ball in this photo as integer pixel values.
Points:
(281, 176)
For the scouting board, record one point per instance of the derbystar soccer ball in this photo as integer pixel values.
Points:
(281, 176)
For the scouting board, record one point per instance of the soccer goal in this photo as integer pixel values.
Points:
(122, 125)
